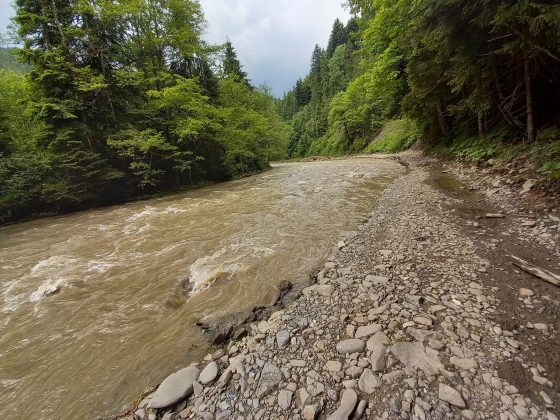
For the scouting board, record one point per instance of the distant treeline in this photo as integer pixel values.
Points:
(122, 99)
(482, 71)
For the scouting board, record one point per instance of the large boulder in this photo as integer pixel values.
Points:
(175, 387)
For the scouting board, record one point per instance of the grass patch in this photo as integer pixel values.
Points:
(543, 155)
(395, 136)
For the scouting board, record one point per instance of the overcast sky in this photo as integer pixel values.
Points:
(274, 39)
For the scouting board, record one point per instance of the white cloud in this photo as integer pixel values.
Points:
(274, 39)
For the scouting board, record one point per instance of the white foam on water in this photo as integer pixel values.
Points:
(224, 264)
(12, 299)
(174, 210)
(148, 211)
(55, 273)
(46, 289)
(96, 266)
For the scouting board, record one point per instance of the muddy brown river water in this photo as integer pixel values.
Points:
(91, 311)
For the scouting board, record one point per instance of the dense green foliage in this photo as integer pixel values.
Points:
(462, 71)
(122, 99)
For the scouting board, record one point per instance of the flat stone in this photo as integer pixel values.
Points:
(353, 345)
(464, 363)
(333, 366)
(271, 377)
(422, 320)
(324, 290)
(209, 373)
(347, 403)
(376, 280)
(378, 338)
(414, 355)
(282, 338)
(368, 382)
(451, 396)
(285, 399)
(174, 388)
(367, 330)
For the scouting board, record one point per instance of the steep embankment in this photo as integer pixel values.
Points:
(420, 315)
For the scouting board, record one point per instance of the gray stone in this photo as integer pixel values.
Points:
(174, 388)
(353, 345)
(451, 396)
(347, 403)
(285, 399)
(282, 338)
(333, 366)
(311, 412)
(367, 330)
(376, 280)
(376, 339)
(209, 373)
(324, 290)
(271, 377)
(368, 382)
(377, 358)
(414, 355)
(423, 320)
(360, 410)
(464, 363)
(524, 293)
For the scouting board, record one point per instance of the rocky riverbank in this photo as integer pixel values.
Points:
(420, 315)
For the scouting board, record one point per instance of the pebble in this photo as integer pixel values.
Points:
(351, 346)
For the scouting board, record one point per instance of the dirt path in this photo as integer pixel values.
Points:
(419, 315)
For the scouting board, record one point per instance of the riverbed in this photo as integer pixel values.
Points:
(96, 306)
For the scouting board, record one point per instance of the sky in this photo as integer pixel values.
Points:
(274, 39)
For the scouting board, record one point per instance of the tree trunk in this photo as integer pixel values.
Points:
(441, 118)
(529, 95)
(480, 125)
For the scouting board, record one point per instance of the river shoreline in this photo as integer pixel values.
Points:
(419, 315)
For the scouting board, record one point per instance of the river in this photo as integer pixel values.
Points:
(91, 304)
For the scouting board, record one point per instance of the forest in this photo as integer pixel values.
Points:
(470, 79)
(108, 101)
(116, 100)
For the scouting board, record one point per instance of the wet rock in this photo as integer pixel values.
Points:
(174, 388)
(351, 346)
(451, 396)
(347, 404)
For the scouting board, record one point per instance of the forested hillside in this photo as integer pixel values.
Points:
(468, 77)
(124, 99)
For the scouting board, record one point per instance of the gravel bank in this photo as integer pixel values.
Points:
(419, 315)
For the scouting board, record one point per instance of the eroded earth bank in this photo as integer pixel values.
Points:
(420, 315)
